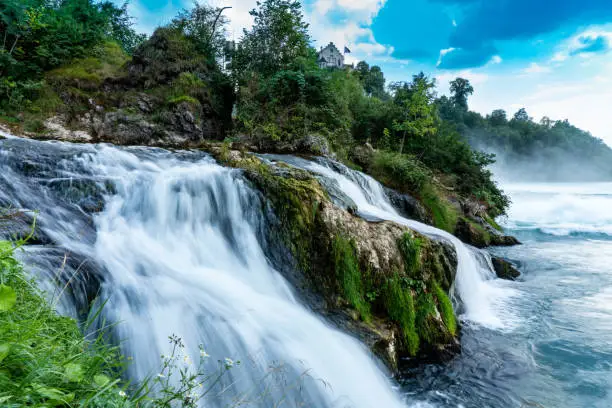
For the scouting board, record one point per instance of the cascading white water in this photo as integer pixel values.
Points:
(483, 297)
(179, 242)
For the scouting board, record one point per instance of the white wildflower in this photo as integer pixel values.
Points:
(229, 362)
(160, 375)
(204, 354)
(122, 394)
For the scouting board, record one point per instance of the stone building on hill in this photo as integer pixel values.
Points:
(330, 57)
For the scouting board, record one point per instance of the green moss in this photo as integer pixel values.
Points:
(183, 98)
(295, 199)
(399, 306)
(427, 327)
(349, 275)
(493, 223)
(446, 309)
(443, 213)
(410, 248)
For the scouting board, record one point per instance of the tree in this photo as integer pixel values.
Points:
(521, 116)
(498, 117)
(372, 79)
(279, 40)
(415, 101)
(461, 89)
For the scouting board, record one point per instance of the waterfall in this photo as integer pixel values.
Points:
(484, 299)
(177, 252)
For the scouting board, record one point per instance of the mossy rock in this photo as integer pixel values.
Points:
(388, 283)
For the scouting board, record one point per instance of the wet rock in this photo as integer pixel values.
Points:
(363, 155)
(477, 232)
(504, 269)
(20, 225)
(408, 206)
(472, 233)
(314, 144)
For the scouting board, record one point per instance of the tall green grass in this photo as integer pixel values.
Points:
(44, 358)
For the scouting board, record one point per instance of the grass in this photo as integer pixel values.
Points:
(44, 358)
(183, 98)
(493, 223)
(444, 215)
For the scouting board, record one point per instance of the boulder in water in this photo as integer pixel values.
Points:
(478, 233)
(504, 269)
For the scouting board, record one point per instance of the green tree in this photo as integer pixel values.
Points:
(461, 89)
(415, 101)
(521, 116)
(498, 117)
(279, 40)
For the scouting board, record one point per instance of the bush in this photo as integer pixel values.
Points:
(400, 171)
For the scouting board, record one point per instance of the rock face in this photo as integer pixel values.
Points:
(505, 269)
(479, 233)
(386, 284)
(408, 206)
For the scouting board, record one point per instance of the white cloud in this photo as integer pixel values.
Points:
(355, 32)
(535, 68)
(443, 52)
(575, 43)
(496, 59)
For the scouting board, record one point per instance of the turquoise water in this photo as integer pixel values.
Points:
(556, 347)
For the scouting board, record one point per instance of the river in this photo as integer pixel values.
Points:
(174, 243)
(556, 350)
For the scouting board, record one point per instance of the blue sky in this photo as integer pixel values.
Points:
(551, 57)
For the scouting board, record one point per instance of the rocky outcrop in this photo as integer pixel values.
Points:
(504, 269)
(386, 284)
(479, 233)
(408, 206)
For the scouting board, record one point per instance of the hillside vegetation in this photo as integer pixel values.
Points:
(185, 85)
(548, 150)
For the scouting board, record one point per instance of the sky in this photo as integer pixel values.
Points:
(551, 57)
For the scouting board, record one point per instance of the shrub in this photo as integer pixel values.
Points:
(400, 171)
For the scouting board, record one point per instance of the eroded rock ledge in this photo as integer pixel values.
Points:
(381, 281)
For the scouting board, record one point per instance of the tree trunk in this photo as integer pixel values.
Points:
(14, 45)
(401, 149)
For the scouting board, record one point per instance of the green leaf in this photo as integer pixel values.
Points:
(73, 372)
(101, 380)
(8, 298)
(5, 349)
(54, 395)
